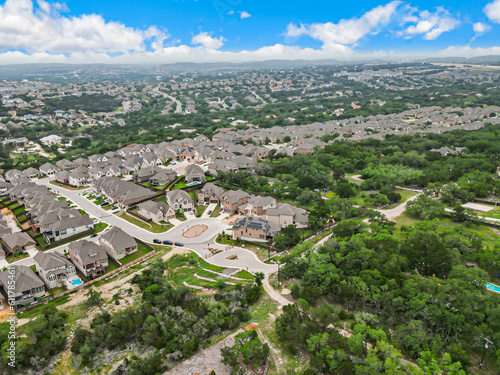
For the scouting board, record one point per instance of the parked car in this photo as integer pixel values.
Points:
(114, 208)
(94, 235)
(191, 213)
(104, 203)
(156, 240)
(178, 244)
(167, 242)
(209, 212)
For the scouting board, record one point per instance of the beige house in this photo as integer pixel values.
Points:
(88, 257)
(254, 229)
(156, 211)
(210, 193)
(284, 215)
(117, 243)
(17, 242)
(233, 199)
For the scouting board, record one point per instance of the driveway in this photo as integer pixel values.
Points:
(211, 207)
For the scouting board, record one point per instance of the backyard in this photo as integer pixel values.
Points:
(141, 250)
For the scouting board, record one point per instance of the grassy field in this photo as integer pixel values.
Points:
(141, 250)
(182, 268)
(151, 227)
(180, 216)
(19, 211)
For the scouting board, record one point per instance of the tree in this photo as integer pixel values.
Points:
(393, 197)
(424, 207)
(345, 190)
(259, 276)
(93, 297)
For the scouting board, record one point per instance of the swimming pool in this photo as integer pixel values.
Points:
(76, 281)
(492, 287)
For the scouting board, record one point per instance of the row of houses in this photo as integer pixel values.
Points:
(56, 270)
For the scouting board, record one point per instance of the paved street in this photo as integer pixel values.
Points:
(246, 259)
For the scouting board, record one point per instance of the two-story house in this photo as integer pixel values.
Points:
(53, 268)
(117, 243)
(23, 284)
(89, 258)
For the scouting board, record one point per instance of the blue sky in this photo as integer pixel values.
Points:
(242, 30)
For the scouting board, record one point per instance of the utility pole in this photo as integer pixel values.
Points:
(488, 341)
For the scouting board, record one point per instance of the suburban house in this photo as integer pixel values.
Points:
(14, 243)
(117, 243)
(4, 186)
(12, 174)
(48, 169)
(156, 211)
(254, 229)
(31, 173)
(210, 193)
(233, 199)
(164, 177)
(284, 215)
(257, 206)
(223, 166)
(51, 140)
(66, 225)
(123, 193)
(88, 257)
(62, 177)
(79, 177)
(53, 268)
(194, 173)
(180, 200)
(25, 283)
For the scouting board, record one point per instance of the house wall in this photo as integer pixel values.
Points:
(71, 231)
(252, 234)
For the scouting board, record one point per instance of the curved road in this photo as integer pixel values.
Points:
(246, 259)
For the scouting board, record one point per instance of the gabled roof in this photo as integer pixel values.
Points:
(118, 239)
(24, 278)
(48, 261)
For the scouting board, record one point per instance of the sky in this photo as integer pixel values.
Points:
(167, 31)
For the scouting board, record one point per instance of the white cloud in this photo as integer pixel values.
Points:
(467, 51)
(43, 29)
(480, 27)
(244, 15)
(207, 41)
(430, 25)
(492, 11)
(346, 31)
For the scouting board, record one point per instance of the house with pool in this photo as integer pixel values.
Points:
(54, 269)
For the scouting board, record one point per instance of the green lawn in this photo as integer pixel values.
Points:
(21, 218)
(35, 311)
(152, 227)
(180, 216)
(41, 240)
(200, 209)
(244, 275)
(19, 211)
(99, 227)
(208, 266)
(141, 250)
(57, 290)
(112, 265)
(216, 211)
(12, 259)
(405, 194)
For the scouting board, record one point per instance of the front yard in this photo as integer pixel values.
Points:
(54, 182)
(216, 211)
(15, 258)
